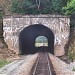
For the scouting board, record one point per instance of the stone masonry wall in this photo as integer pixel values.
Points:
(57, 23)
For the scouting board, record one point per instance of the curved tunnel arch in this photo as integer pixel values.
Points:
(28, 35)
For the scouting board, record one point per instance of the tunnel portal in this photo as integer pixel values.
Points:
(28, 36)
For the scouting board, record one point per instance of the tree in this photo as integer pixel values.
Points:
(57, 6)
(2, 42)
(37, 6)
(69, 9)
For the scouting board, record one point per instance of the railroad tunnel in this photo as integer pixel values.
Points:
(28, 36)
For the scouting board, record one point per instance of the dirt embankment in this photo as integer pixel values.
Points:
(5, 53)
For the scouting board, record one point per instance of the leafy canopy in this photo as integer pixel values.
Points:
(70, 8)
(37, 6)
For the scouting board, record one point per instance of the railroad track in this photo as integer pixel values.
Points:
(43, 65)
(21, 66)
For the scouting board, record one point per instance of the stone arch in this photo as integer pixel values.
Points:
(58, 24)
(28, 35)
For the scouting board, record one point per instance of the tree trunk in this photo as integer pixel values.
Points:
(2, 42)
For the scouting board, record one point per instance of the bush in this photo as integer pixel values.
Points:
(3, 63)
(1, 14)
(37, 6)
(71, 55)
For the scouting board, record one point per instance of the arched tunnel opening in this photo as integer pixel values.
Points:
(41, 42)
(28, 39)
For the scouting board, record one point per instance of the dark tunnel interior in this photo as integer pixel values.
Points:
(27, 39)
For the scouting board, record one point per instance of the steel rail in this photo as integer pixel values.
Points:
(36, 64)
(35, 70)
(49, 64)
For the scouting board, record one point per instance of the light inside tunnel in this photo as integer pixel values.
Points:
(41, 41)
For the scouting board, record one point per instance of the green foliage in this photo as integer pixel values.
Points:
(73, 69)
(36, 7)
(70, 8)
(1, 14)
(15, 6)
(22, 7)
(57, 5)
(71, 55)
(41, 39)
(28, 7)
(3, 63)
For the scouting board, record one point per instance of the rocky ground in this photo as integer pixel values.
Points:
(62, 68)
(22, 66)
(5, 53)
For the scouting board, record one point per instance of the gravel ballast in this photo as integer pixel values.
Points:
(20, 67)
(61, 68)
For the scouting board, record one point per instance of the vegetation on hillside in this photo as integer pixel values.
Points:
(69, 9)
(38, 6)
(43, 6)
(3, 63)
(1, 29)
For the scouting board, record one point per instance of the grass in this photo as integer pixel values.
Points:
(71, 55)
(3, 63)
(73, 69)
